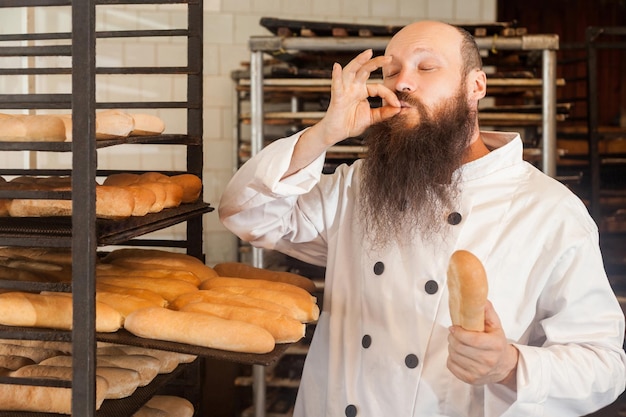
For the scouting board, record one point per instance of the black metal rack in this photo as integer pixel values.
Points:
(84, 232)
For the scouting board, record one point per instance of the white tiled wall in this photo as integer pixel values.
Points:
(228, 24)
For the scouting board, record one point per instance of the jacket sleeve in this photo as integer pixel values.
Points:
(577, 365)
(265, 210)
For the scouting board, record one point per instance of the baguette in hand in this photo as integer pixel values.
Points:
(467, 287)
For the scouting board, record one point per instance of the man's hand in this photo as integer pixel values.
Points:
(483, 357)
(349, 112)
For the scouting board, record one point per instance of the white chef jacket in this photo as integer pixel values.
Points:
(380, 345)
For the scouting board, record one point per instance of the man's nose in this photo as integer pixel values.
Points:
(405, 83)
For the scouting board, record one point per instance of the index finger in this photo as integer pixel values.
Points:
(370, 66)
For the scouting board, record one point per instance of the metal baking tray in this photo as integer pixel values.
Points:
(115, 408)
(57, 231)
(124, 337)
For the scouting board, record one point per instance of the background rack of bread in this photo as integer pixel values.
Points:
(152, 293)
(110, 124)
(119, 196)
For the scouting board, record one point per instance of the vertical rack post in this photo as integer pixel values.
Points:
(84, 241)
(195, 154)
(256, 143)
(548, 82)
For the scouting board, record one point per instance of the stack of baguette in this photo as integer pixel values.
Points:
(120, 196)
(171, 296)
(120, 370)
(110, 124)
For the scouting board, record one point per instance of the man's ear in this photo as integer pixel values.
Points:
(477, 84)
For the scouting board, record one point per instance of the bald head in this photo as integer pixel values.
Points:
(455, 41)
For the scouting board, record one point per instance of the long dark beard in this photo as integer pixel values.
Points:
(408, 184)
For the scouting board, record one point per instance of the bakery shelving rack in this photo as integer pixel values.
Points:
(84, 232)
(287, 92)
(607, 153)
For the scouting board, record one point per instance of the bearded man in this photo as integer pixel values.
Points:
(386, 226)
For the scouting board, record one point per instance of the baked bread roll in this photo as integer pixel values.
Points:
(148, 295)
(168, 360)
(111, 203)
(32, 128)
(51, 311)
(147, 125)
(222, 281)
(41, 399)
(191, 185)
(123, 303)
(241, 270)
(121, 382)
(172, 405)
(144, 270)
(113, 124)
(166, 287)
(60, 347)
(467, 288)
(59, 256)
(45, 270)
(146, 411)
(155, 258)
(145, 199)
(146, 366)
(130, 270)
(36, 354)
(200, 330)
(283, 328)
(217, 297)
(14, 362)
(301, 309)
(173, 191)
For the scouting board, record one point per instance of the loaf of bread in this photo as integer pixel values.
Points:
(121, 382)
(124, 179)
(147, 125)
(146, 411)
(467, 288)
(32, 128)
(157, 258)
(146, 366)
(16, 274)
(36, 354)
(191, 185)
(111, 203)
(60, 347)
(228, 298)
(148, 295)
(45, 271)
(59, 256)
(241, 270)
(14, 362)
(146, 271)
(123, 303)
(303, 310)
(283, 328)
(256, 283)
(4, 202)
(41, 398)
(168, 360)
(166, 287)
(51, 311)
(113, 124)
(200, 330)
(145, 199)
(173, 191)
(172, 405)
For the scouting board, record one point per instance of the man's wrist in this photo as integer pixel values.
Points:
(510, 380)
